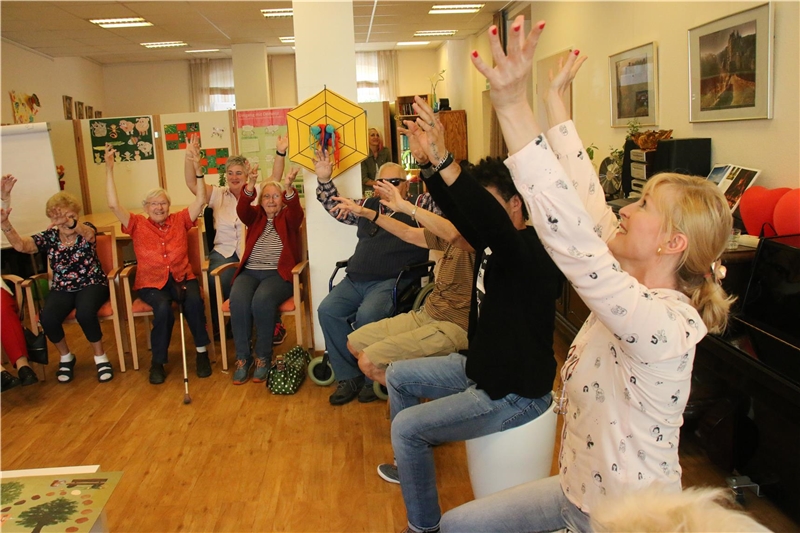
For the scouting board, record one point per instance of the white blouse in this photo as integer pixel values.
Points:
(230, 230)
(628, 372)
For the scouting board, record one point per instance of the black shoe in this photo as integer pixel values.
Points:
(367, 394)
(347, 391)
(27, 376)
(157, 374)
(279, 334)
(9, 381)
(203, 368)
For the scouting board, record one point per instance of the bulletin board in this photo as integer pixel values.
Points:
(257, 132)
(131, 137)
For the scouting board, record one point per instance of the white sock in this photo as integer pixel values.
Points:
(202, 349)
(67, 358)
(105, 376)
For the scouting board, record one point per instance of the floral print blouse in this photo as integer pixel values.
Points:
(74, 267)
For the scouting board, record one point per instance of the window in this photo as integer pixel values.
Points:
(220, 84)
(367, 77)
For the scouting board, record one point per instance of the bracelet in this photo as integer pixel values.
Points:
(282, 154)
(425, 165)
(377, 214)
(249, 194)
(74, 224)
(413, 213)
(444, 163)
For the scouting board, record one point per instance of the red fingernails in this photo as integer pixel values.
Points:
(515, 28)
(494, 30)
(576, 52)
(541, 25)
(474, 53)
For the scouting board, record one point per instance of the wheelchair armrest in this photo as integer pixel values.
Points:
(426, 265)
(339, 265)
(342, 264)
(220, 269)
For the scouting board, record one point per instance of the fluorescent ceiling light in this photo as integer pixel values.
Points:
(201, 51)
(413, 43)
(452, 9)
(435, 33)
(166, 44)
(287, 40)
(130, 22)
(275, 13)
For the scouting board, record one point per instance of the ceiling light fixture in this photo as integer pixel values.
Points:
(130, 22)
(276, 13)
(435, 33)
(287, 40)
(453, 9)
(201, 51)
(165, 44)
(413, 43)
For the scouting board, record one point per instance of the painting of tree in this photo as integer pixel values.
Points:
(47, 514)
(11, 492)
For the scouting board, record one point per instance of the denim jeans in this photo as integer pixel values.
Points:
(164, 318)
(356, 303)
(215, 260)
(536, 506)
(255, 297)
(460, 411)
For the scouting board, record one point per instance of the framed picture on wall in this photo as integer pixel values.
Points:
(633, 75)
(79, 110)
(98, 114)
(730, 67)
(67, 107)
(89, 111)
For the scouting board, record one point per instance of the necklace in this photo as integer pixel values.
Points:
(69, 240)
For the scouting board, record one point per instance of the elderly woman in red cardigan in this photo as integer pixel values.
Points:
(264, 277)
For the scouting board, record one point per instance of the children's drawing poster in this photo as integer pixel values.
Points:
(131, 137)
(177, 135)
(68, 502)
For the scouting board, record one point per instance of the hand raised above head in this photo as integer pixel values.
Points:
(288, 180)
(109, 155)
(282, 144)
(414, 145)
(560, 82)
(428, 131)
(252, 174)
(322, 165)
(193, 148)
(508, 78)
(390, 195)
(6, 185)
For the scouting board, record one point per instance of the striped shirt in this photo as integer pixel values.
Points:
(450, 299)
(267, 250)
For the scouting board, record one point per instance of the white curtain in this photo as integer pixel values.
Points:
(367, 77)
(212, 84)
(200, 88)
(387, 75)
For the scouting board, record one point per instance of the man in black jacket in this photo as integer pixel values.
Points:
(506, 378)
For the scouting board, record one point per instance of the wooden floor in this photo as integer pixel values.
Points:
(237, 458)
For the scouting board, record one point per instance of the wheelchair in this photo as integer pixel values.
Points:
(408, 299)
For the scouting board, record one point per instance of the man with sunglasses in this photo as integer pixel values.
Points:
(365, 294)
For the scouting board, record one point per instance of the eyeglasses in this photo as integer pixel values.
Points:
(158, 204)
(393, 181)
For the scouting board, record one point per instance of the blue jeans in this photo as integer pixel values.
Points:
(536, 506)
(215, 260)
(163, 317)
(460, 411)
(356, 303)
(255, 296)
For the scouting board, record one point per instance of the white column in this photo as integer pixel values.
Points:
(251, 76)
(325, 56)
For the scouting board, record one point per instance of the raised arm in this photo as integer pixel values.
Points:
(20, 244)
(409, 234)
(196, 207)
(280, 157)
(244, 209)
(122, 214)
(192, 170)
(327, 191)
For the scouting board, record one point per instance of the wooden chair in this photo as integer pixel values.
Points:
(19, 291)
(137, 308)
(298, 305)
(107, 253)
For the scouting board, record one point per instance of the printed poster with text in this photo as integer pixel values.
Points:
(131, 137)
(257, 132)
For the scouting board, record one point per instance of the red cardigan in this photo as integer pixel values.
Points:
(287, 224)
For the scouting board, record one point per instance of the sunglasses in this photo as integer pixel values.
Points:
(393, 181)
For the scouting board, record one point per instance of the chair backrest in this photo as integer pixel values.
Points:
(195, 244)
(106, 244)
(211, 232)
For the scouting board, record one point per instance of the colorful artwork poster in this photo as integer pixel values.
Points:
(131, 137)
(213, 160)
(176, 135)
(69, 502)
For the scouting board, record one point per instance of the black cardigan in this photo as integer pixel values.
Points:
(511, 343)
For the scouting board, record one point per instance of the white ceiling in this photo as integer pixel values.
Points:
(62, 29)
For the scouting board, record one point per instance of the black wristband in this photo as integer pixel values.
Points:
(74, 224)
(377, 214)
(282, 154)
(444, 163)
(425, 165)
(201, 177)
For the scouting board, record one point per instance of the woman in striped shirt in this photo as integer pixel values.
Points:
(264, 277)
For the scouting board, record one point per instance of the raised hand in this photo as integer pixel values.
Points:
(4, 215)
(60, 217)
(391, 197)
(414, 145)
(429, 131)
(109, 156)
(322, 165)
(563, 79)
(252, 174)
(347, 206)
(193, 150)
(282, 144)
(6, 184)
(288, 180)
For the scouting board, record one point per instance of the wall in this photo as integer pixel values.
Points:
(283, 81)
(151, 88)
(50, 79)
(602, 29)
(415, 68)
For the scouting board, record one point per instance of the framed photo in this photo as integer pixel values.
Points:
(67, 107)
(89, 110)
(633, 75)
(718, 173)
(730, 67)
(79, 110)
(98, 114)
(738, 180)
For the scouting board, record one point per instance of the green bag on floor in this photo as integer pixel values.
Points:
(288, 371)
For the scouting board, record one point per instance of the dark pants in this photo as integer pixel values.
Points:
(163, 317)
(86, 302)
(255, 296)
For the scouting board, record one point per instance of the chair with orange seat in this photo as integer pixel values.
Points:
(298, 305)
(137, 308)
(106, 245)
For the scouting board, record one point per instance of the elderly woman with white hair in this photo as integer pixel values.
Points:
(163, 273)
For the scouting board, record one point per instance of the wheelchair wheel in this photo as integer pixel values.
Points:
(380, 391)
(422, 294)
(320, 371)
